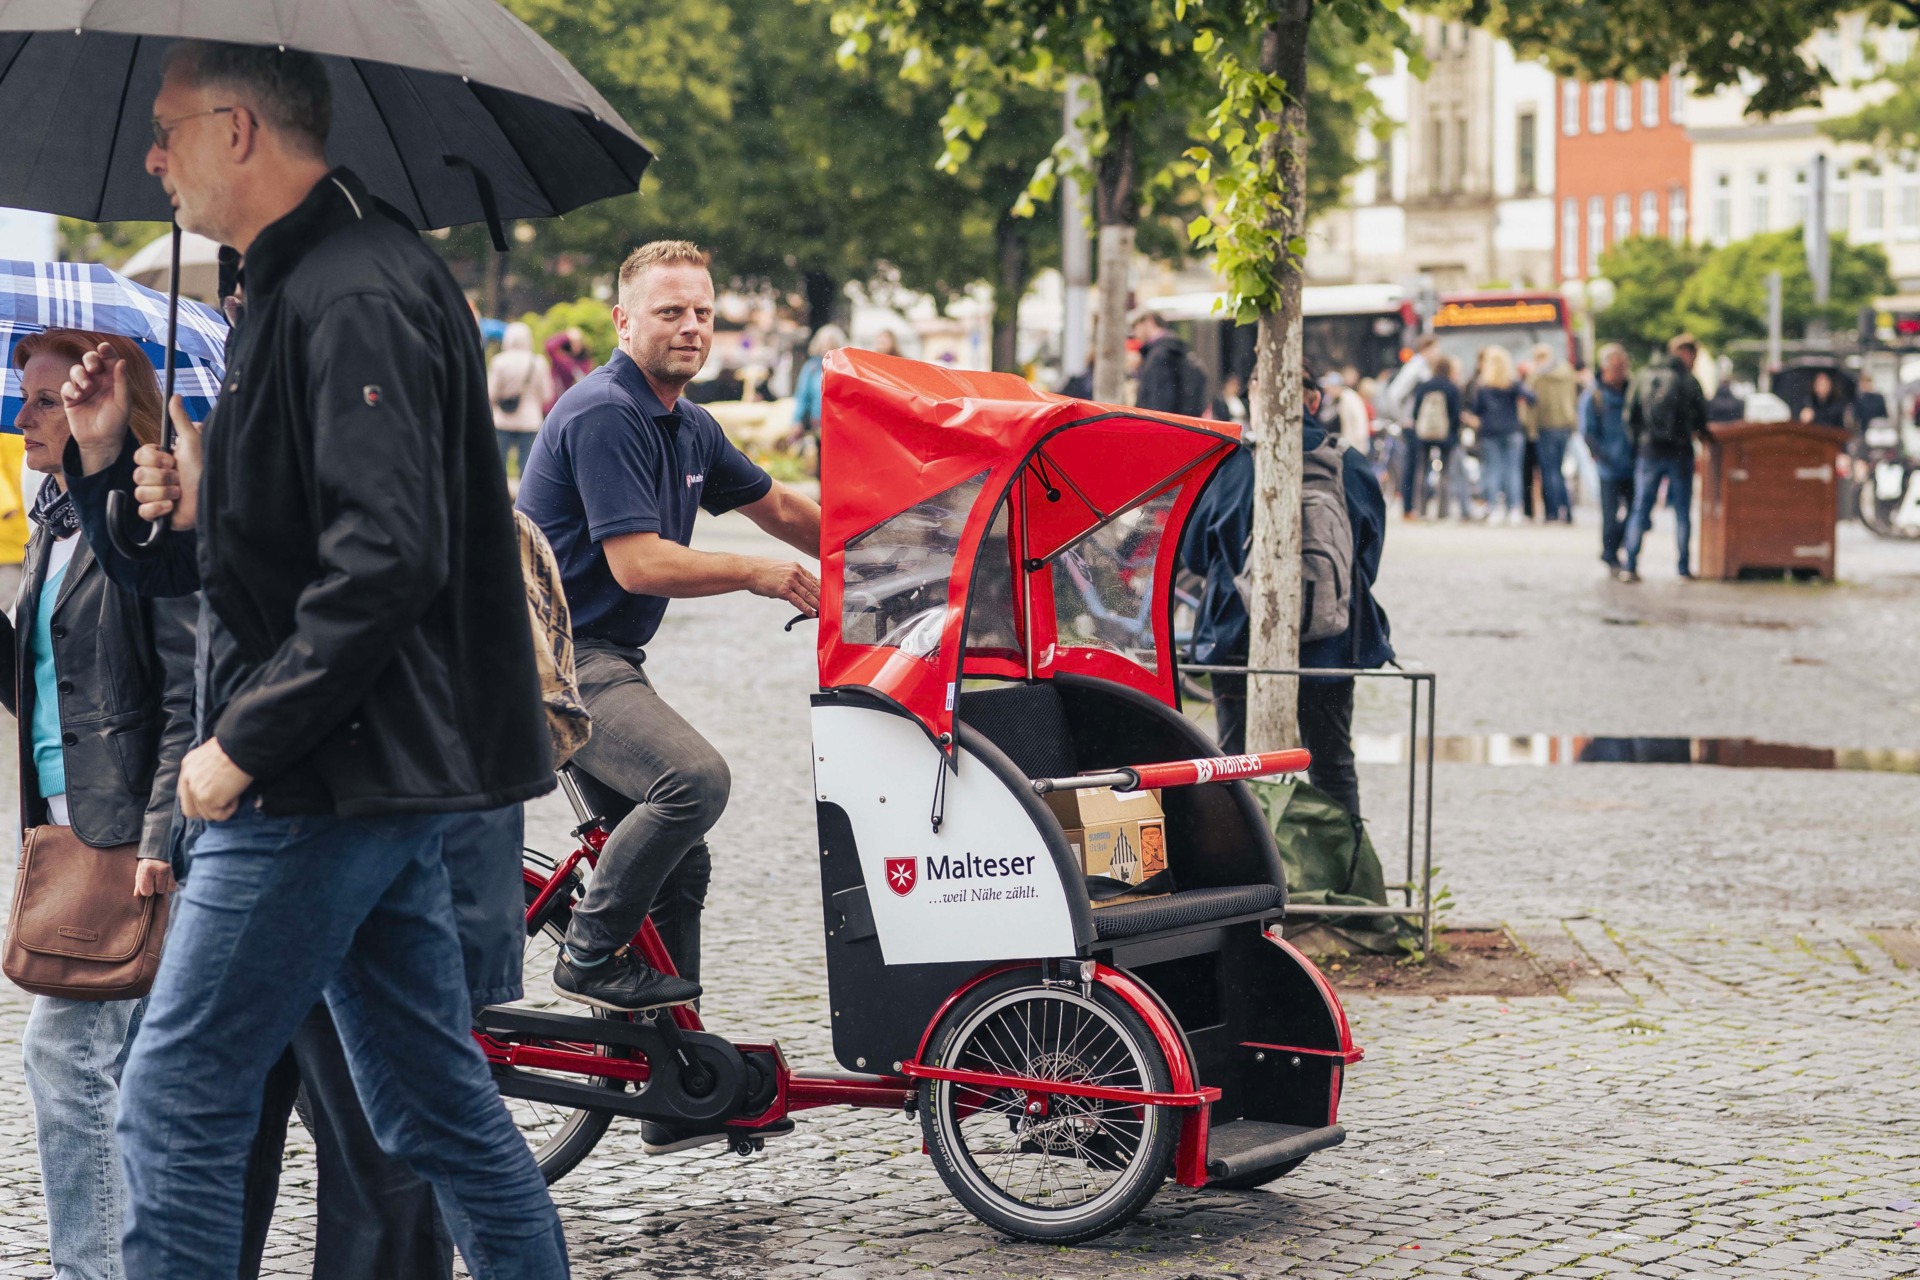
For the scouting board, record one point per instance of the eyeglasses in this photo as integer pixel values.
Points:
(163, 129)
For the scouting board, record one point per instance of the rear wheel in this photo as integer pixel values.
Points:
(1049, 1168)
(560, 1136)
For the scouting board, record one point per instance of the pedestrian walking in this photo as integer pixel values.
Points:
(1400, 405)
(1493, 411)
(370, 681)
(1665, 411)
(1869, 405)
(1351, 421)
(100, 683)
(1556, 411)
(519, 386)
(570, 359)
(1218, 536)
(806, 393)
(1603, 426)
(1230, 405)
(1435, 437)
(1170, 380)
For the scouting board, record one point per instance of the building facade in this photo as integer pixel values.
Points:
(1624, 168)
(1460, 194)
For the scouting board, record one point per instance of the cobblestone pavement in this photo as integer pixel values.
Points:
(1724, 1089)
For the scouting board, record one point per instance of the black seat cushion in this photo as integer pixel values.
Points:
(1028, 722)
(1187, 910)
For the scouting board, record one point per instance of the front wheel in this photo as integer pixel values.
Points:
(1048, 1168)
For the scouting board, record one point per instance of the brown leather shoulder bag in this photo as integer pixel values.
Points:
(77, 930)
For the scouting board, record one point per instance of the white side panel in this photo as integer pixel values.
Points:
(984, 888)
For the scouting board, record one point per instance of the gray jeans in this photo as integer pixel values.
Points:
(643, 749)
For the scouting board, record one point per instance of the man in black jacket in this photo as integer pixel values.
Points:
(1171, 380)
(371, 677)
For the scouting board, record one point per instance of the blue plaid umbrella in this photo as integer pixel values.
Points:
(37, 296)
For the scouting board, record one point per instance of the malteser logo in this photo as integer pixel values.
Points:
(902, 875)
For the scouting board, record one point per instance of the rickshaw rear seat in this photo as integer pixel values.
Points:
(1186, 910)
(1029, 723)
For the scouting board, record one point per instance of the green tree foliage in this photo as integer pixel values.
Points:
(1648, 273)
(794, 172)
(588, 315)
(1760, 43)
(1893, 123)
(1726, 298)
(109, 243)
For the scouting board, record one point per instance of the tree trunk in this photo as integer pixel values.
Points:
(1272, 701)
(1117, 208)
(1007, 292)
(821, 297)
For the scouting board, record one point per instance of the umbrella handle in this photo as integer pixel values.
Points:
(123, 522)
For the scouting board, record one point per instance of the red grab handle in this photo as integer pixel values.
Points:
(1184, 773)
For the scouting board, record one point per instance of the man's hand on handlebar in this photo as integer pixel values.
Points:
(785, 580)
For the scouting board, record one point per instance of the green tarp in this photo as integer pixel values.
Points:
(1330, 860)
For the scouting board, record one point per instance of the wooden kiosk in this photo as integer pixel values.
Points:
(1767, 500)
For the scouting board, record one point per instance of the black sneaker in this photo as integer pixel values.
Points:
(658, 1139)
(623, 982)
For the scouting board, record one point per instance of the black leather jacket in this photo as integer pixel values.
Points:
(368, 634)
(124, 668)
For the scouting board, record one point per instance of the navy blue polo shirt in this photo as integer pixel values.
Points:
(610, 460)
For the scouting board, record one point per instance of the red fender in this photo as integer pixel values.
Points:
(1190, 1159)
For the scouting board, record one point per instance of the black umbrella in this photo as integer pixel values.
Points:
(452, 111)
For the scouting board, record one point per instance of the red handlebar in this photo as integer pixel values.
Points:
(1181, 773)
(1184, 773)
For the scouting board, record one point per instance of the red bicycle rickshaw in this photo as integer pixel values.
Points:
(1063, 1057)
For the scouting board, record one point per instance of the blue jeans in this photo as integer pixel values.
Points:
(277, 914)
(1616, 504)
(1648, 475)
(1500, 468)
(1552, 450)
(75, 1051)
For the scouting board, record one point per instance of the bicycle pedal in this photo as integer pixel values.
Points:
(746, 1142)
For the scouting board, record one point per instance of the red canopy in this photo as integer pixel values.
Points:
(1058, 520)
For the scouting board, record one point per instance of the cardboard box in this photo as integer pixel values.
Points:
(1118, 834)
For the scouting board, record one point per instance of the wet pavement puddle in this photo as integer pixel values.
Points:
(1559, 749)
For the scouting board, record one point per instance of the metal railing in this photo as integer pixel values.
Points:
(1419, 792)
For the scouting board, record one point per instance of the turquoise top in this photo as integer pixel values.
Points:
(49, 758)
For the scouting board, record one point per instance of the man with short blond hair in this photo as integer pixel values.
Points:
(619, 472)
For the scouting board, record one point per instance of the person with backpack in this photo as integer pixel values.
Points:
(1343, 525)
(1665, 411)
(1436, 433)
(1171, 380)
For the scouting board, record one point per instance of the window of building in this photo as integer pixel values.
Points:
(1676, 96)
(1677, 215)
(1759, 203)
(1460, 154)
(1722, 207)
(1383, 172)
(1596, 232)
(1526, 174)
(1909, 223)
(1622, 217)
(1569, 238)
(1839, 205)
(1437, 162)
(1649, 214)
(1622, 106)
(1570, 108)
(1873, 205)
(1797, 198)
(1440, 35)
(1597, 107)
(1649, 103)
